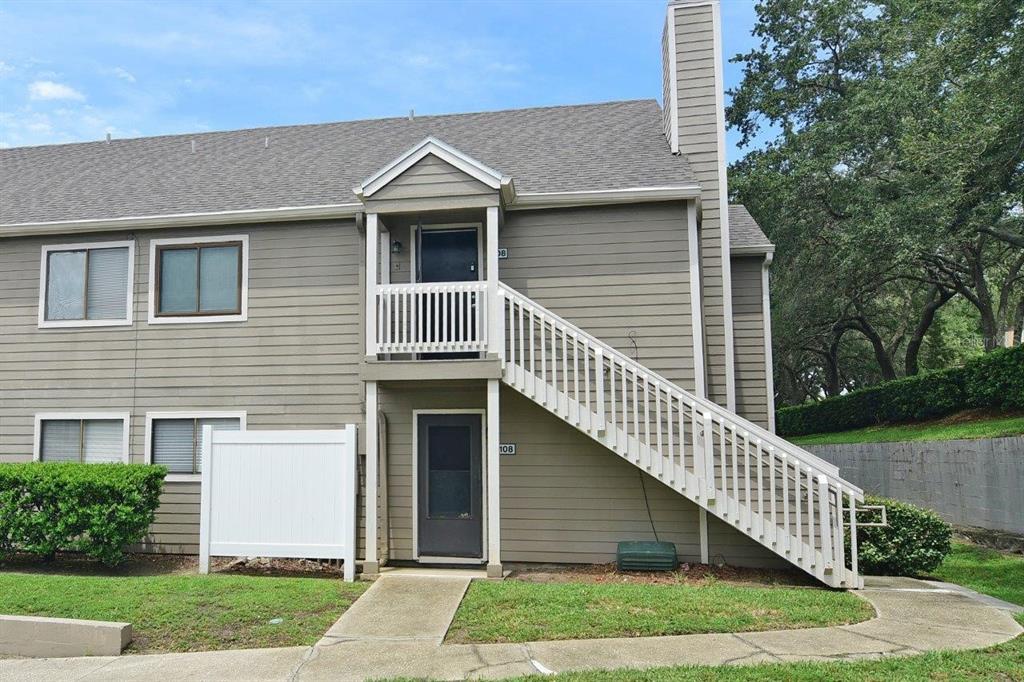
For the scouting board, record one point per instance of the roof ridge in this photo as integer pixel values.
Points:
(329, 123)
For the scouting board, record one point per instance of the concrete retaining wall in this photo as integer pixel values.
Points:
(969, 482)
(35, 636)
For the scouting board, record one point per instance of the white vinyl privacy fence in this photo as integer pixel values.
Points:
(279, 494)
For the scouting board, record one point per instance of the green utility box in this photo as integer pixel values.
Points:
(641, 555)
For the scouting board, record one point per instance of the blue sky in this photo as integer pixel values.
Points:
(75, 71)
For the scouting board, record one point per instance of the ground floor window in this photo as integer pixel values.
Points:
(88, 438)
(174, 440)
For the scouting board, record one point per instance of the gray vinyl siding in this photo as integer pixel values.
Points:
(619, 273)
(698, 140)
(729, 546)
(752, 399)
(565, 498)
(292, 365)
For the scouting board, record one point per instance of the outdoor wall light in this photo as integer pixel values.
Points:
(396, 246)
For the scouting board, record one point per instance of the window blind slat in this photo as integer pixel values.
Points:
(60, 440)
(65, 285)
(218, 424)
(108, 284)
(103, 440)
(172, 444)
(174, 440)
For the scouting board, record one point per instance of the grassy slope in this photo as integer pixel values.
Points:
(188, 612)
(517, 611)
(943, 430)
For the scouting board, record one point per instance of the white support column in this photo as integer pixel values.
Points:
(493, 480)
(769, 365)
(371, 565)
(495, 313)
(372, 236)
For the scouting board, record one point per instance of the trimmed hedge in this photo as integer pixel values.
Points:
(97, 509)
(994, 380)
(914, 543)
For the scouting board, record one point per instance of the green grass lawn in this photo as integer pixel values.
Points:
(1002, 662)
(188, 612)
(940, 430)
(985, 570)
(520, 611)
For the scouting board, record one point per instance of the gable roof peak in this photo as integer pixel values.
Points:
(442, 150)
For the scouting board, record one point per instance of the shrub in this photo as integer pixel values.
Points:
(914, 542)
(998, 381)
(97, 509)
(994, 380)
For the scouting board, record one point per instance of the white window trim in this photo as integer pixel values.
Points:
(199, 319)
(40, 417)
(187, 414)
(43, 281)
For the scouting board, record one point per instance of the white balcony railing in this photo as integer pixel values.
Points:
(442, 317)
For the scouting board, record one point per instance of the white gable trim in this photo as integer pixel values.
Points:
(446, 153)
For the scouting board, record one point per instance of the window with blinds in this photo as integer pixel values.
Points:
(199, 279)
(82, 440)
(87, 284)
(177, 442)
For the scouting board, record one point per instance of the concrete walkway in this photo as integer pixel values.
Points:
(913, 617)
(401, 607)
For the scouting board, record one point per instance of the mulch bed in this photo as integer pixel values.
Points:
(686, 573)
(169, 564)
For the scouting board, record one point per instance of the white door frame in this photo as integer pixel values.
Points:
(415, 488)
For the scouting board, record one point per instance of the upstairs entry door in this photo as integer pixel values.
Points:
(448, 255)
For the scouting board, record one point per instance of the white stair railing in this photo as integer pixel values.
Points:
(786, 498)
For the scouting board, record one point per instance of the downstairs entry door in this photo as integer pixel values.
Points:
(449, 485)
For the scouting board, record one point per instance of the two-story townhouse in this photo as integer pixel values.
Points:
(565, 283)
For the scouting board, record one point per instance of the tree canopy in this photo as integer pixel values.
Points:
(892, 183)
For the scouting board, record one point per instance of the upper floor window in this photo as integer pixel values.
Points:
(199, 280)
(82, 437)
(83, 285)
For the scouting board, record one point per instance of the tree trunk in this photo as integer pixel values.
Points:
(1019, 325)
(937, 297)
(833, 386)
(885, 364)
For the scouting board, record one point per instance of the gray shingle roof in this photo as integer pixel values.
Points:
(744, 232)
(552, 149)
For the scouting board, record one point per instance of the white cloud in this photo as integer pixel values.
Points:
(5, 68)
(123, 74)
(51, 90)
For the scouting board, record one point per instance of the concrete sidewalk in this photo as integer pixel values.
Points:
(913, 617)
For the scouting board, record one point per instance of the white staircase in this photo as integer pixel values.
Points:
(782, 496)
